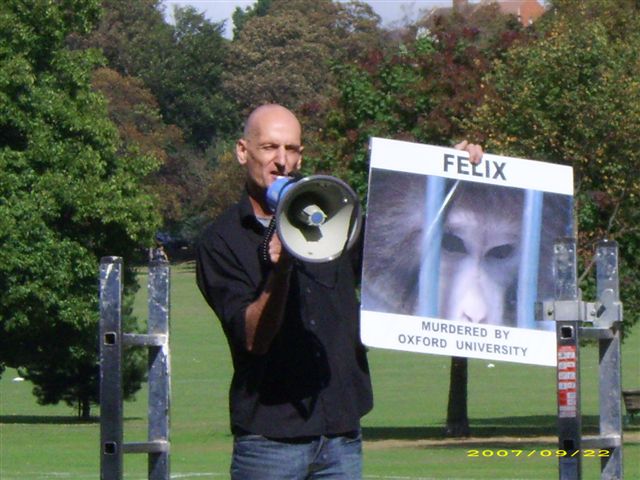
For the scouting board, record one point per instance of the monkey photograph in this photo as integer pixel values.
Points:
(477, 237)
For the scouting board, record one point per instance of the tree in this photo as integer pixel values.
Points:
(227, 181)
(68, 197)
(181, 182)
(357, 31)
(132, 35)
(135, 111)
(279, 58)
(573, 97)
(188, 85)
(165, 95)
(418, 88)
(284, 55)
(240, 16)
(181, 64)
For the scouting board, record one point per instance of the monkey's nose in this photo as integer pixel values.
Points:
(474, 307)
(473, 318)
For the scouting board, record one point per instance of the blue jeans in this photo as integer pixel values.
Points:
(259, 458)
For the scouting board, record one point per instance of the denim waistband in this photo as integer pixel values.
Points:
(352, 434)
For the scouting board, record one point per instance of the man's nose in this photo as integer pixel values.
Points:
(281, 156)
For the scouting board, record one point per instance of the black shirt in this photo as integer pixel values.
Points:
(314, 379)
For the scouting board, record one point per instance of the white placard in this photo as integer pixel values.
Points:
(460, 339)
(456, 255)
(445, 162)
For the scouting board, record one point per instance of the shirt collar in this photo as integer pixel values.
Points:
(247, 216)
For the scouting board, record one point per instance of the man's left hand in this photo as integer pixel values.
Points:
(475, 151)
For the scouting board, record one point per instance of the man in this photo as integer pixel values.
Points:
(301, 379)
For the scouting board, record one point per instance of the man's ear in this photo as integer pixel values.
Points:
(241, 151)
(299, 164)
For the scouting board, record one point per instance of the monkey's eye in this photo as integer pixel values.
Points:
(501, 252)
(453, 243)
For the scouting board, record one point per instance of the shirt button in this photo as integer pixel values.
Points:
(308, 290)
(313, 323)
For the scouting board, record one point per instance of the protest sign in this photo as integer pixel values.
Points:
(456, 255)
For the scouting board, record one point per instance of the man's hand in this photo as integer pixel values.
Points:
(475, 151)
(280, 258)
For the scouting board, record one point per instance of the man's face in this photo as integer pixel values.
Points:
(271, 147)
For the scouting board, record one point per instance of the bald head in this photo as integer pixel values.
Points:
(271, 147)
(265, 115)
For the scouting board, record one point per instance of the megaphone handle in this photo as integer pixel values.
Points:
(264, 246)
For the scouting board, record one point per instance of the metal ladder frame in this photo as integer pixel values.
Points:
(112, 341)
(576, 320)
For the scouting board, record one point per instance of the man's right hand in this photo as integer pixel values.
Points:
(280, 258)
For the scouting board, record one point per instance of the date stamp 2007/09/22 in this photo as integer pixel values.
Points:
(549, 453)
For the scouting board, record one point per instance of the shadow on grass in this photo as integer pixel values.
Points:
(51, 420)
(527, 426)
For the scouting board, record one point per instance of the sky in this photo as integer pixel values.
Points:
(391, 11)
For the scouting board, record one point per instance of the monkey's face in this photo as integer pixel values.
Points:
(480, 253)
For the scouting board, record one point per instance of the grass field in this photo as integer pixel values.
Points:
(511, 407)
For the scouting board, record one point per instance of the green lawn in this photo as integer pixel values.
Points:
(512, 407)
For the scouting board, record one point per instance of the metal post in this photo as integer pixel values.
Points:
(568, 370)
(609, 317)
(110, 369)
(159, 364)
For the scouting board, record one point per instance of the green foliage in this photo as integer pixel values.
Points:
(357, 30)
(240, 16)
(417, 89)
(285, 55)
(180, 184)
(180, 64)
(132, 35)
(225, 185)
(165, 95)
(67, 198)
(573, 96)
(188, 85)
(281, 58)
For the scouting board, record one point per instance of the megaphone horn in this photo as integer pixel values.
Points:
(317, 217)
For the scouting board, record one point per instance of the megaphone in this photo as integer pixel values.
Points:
(317, 217)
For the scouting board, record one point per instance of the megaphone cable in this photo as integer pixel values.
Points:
(264, 246)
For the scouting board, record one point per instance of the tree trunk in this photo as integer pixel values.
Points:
(457, 418)
(84, 409)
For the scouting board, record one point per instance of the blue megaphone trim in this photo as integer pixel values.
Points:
(278, 189)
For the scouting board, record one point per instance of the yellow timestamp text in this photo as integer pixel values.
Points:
(549, 453)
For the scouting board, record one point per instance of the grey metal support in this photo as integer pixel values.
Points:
(609, 319)
(568, 370)
(159, 374)
(601, 320)
(159, 368)
(111, 448)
